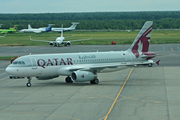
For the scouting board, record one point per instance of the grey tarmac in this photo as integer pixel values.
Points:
(151, 93)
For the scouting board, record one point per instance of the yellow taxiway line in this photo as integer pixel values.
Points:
(118, 95)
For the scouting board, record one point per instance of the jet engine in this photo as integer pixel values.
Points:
(80, 76)
(46, 77)
(51, 43)
(68, 43)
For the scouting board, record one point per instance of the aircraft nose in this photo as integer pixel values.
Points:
(9, 70)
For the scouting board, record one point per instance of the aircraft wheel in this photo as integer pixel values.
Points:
(95, 81)
(150, 65)
(28, 84)
(68, 80)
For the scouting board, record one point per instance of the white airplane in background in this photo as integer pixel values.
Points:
(37, 30)
(60, 40)
(72, 27)
(81, 67)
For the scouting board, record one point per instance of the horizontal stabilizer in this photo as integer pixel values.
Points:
(158, 62)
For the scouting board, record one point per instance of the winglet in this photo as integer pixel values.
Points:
(158, 62)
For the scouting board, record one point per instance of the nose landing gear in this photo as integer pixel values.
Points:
(29, 82)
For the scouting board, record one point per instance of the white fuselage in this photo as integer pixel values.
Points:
(59, 40)
(60, 29)
(61, 64)
(39, 30)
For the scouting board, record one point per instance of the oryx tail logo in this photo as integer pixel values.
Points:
(82, 76)
(142, 44)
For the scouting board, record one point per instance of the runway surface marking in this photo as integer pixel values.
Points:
(118, 95)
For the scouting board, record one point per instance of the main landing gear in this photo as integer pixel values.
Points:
(68, 79)
(95, 81)
(29, 82)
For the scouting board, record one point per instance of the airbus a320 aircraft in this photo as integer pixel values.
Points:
(37, 30)
(81, 67)
(60, 40)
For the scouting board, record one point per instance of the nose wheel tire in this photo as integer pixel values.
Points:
(28, 84)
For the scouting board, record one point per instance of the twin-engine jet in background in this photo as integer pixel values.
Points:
(81, 67)
(10, 30)
(60, 40)
(72, 27)
(37, 30)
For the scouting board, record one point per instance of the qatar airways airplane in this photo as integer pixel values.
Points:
(81, 67)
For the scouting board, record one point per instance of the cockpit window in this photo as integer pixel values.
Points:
(19, 62)
(15, 62)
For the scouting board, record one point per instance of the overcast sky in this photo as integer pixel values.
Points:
(61, 6)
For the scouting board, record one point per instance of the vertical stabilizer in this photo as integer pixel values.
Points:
(62, 30)
(48, 29)
(74, 24)
(14, 28)
(141, 43)
(29, 26)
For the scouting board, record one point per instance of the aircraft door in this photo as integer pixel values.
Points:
(33, 62)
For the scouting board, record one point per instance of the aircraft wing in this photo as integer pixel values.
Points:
(80, 39)
(100, 67)
(40, 40)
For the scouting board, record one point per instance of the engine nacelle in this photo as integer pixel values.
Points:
(51, 43)
(80, 76)
(68, 43)
(46, 77)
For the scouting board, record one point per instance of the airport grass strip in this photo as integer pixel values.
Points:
(118, 95)
(7, 57)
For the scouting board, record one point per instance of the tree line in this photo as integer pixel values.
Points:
(94, 20)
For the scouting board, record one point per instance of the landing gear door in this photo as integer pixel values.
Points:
(33, 63)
